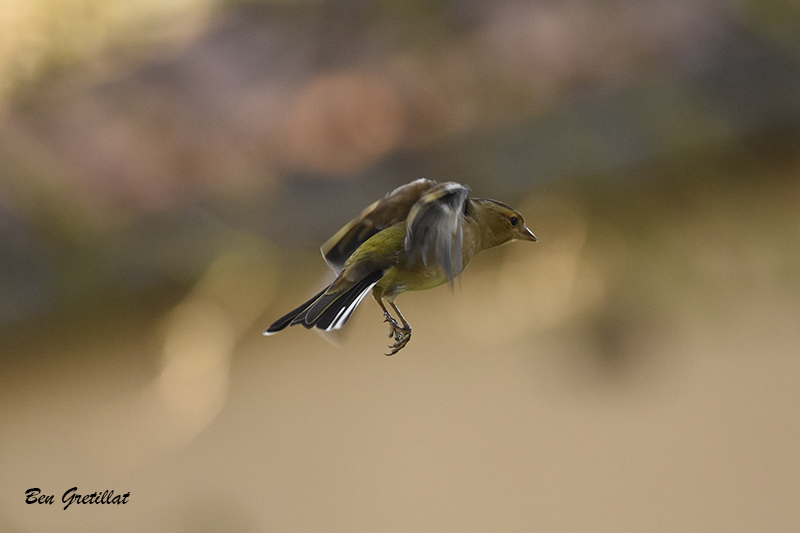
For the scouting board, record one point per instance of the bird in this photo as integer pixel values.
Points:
(419, 236)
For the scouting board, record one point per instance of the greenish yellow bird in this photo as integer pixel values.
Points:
(419, 236)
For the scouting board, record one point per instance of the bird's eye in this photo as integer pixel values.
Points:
(513, 221)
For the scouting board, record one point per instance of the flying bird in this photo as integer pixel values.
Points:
(419, 236)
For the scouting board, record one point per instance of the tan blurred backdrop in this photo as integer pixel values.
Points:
(168, 171)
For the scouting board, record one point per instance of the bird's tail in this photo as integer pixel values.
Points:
(327, 310)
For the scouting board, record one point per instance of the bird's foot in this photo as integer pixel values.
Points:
(401, 334)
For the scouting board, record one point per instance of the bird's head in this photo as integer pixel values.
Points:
(500, 223)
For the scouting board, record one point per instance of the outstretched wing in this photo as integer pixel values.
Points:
(434, 230)
(388, 211)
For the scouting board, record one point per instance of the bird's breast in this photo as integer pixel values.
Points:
(399, 279)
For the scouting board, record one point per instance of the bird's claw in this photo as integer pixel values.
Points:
(401, 334)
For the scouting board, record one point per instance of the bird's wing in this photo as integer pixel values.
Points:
(389, 210)
(434, 227)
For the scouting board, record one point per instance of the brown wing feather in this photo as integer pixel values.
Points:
(389, 210)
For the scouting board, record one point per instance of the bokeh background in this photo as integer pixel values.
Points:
(169, 169)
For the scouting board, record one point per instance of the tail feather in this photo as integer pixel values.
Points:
(286, 320)
(336, 316)
(327, 311)
(331, 310)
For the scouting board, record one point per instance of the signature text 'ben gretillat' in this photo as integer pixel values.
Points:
(71, 496)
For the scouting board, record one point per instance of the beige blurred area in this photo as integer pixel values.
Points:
(169, 170)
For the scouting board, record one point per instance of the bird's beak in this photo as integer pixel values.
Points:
(527, 235)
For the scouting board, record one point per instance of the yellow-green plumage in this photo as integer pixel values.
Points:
(419, 236)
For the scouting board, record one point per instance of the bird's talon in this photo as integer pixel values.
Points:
(401, 336)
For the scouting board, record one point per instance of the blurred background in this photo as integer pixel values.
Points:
(168, 171)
